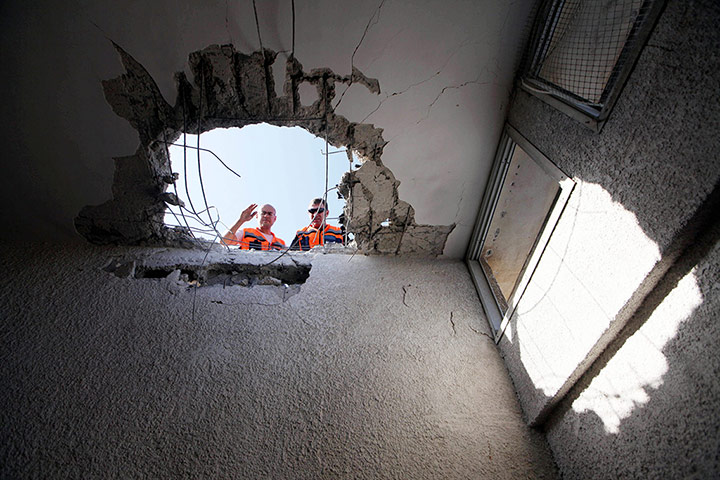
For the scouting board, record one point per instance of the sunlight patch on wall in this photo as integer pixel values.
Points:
(597, 257)
(640, 364)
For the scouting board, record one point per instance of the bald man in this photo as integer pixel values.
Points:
(260, 238)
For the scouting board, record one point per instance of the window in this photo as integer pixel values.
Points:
(523, 200)
(581, 52)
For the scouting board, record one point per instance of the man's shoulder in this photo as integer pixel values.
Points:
(311, 229)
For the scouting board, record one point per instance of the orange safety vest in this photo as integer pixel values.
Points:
(253, 239)
(308, 237)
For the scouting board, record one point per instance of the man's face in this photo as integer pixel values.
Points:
(266, 216)
(317, 214)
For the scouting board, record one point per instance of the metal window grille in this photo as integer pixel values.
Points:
(581, 51)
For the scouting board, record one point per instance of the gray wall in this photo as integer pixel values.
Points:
(613, 348)
(376, 368)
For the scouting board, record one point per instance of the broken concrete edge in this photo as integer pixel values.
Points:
(213, 266)
(232, 89)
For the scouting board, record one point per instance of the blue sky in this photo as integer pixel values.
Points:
(283, 166)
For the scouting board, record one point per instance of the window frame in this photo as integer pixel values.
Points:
(570, 104)
(510, 139)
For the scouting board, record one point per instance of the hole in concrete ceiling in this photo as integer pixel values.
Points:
(231, 89)
(282, 166)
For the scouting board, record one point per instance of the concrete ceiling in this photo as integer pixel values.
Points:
(445, 70)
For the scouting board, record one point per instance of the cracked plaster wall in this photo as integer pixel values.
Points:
(392, 376)
(445, 70)
(376, 367)
(232, 89)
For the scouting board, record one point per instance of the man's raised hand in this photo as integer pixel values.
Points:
(248, 213)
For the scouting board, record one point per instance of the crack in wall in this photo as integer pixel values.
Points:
(476, 81)
(460, 201)
(233, 89)
(404, 297)
(481, 333)
(416, 84)
(370, 23)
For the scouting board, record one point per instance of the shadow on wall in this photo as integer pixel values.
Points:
(651, 411)
(613, 351)
(653, 391)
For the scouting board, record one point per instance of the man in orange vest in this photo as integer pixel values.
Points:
(260, 238)
(310, 236)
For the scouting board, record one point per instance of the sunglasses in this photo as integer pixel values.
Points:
(316, 210)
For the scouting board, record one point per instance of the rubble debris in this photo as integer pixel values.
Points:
(171, 199)
(194, 267)
(233, 89)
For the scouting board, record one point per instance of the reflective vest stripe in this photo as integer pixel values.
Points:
(333, 234)
(255, 240)
(308, 237)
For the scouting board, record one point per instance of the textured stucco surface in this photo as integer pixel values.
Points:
(664, 428)
(639, 181)
(645, 403)
(377, 368)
